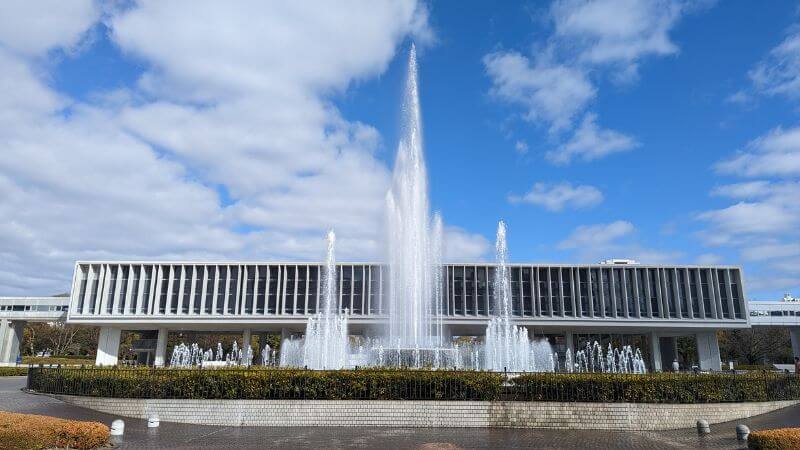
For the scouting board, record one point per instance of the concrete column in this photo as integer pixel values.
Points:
(161, 348)
(285, 334)
(794, 333)
(708, 350)
(10, 341)
(655, 352)
(108, 346)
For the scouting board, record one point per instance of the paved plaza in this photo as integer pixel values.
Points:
(181, 436)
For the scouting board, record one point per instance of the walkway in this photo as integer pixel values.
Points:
(181, 436)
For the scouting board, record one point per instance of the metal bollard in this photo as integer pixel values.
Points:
(117, 428)
(702, 427)
(742, 431)
(152, 421)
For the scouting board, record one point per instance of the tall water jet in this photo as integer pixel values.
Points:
(326, 343)
(412, 256)
(507, 347)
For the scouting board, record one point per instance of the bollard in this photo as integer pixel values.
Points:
(152, 421)
(742, 432)
(702, 427)
(117, 428)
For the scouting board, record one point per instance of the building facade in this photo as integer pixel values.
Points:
(569, 304)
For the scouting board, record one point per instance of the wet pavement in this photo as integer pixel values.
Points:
(183, 436)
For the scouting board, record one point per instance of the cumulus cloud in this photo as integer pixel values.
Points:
(558, 196)
(779, 72)
(592, 243)
(227, 147)
(590, 40)
(597, 235)
(777, 153)
(550, 93)
(590, 142)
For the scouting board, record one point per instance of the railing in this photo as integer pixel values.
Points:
(374, 384)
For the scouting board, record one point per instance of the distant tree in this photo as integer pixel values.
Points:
(763, 345)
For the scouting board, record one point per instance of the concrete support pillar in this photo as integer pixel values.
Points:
(285, 334)
(10, 341)
(161, 347)
(108, 346)
(708, 350)
(247, 336)
(794, 333)
(655, 352)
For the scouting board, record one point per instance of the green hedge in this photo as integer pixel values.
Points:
(13, 371)
(270, 384)
(656, 388)
(413, 385)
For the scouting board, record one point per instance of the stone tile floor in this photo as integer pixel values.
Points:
(182, 436)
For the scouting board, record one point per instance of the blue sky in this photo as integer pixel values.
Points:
(663, 131)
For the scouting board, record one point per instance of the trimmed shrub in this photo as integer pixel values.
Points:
(754, 367)
(13, 371)
(382, 384)
(269, 384)
(29, 432)
(777, 439)
(656, 388)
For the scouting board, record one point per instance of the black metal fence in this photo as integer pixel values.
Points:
(375, 384)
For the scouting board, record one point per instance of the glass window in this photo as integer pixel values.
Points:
(669, 294)
(112, 283)
(654, 289)
(458, 281)
(693, 293)
(148, 279)
(289, 278)
(358, 289)
(482, 287)
(123, 289)
(272, 293)
(735, 294)
(162, 305)
(704, 285)
(527, 303)
(135, 278)
(346, 282)
(313, 279)
(630, 279)
(606, 292)
(618, 291)
(723, 292)
(469, 290)
(566, 286)
(224, 280)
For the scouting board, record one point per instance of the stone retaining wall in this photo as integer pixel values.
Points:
(387, 413)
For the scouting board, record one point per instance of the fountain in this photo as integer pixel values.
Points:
(507, 347)
(415, 336)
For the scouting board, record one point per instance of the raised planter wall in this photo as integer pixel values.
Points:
(398, 413)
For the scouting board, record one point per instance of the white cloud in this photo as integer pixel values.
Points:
(590, 39)
(549, 93)
(770, 251)
(777, 153)
(462, 246)
(750, 189)
(779, 72)
(590, 142)
(235, 99)
(33, 27)
(592, 243)
(617, 31)
(556, 197)
(708, 259)
(597, 235)
(521, 147)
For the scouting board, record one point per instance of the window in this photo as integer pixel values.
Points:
(606, 291)
(289, 276)
(694, 296)
(458, 282)
(469, 290)
(630, 279)
(135, 279)
(123, 289)
(723, 292)
(566, 286)
(162, 298)
(527, 304)
(222, 287)
(735, 293)
(346, 280)
(544, 292)
(313, 279)
(555, 292)
(212, 276)
(618, 291)
(705, 292)
(148, 279)
(188, 272)
(112, 284)
(249, 287)
(655, 288)
(358, 289)
(669, 295)
(233, 289)
(683, 293)
(482, 287)
(272, 290)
